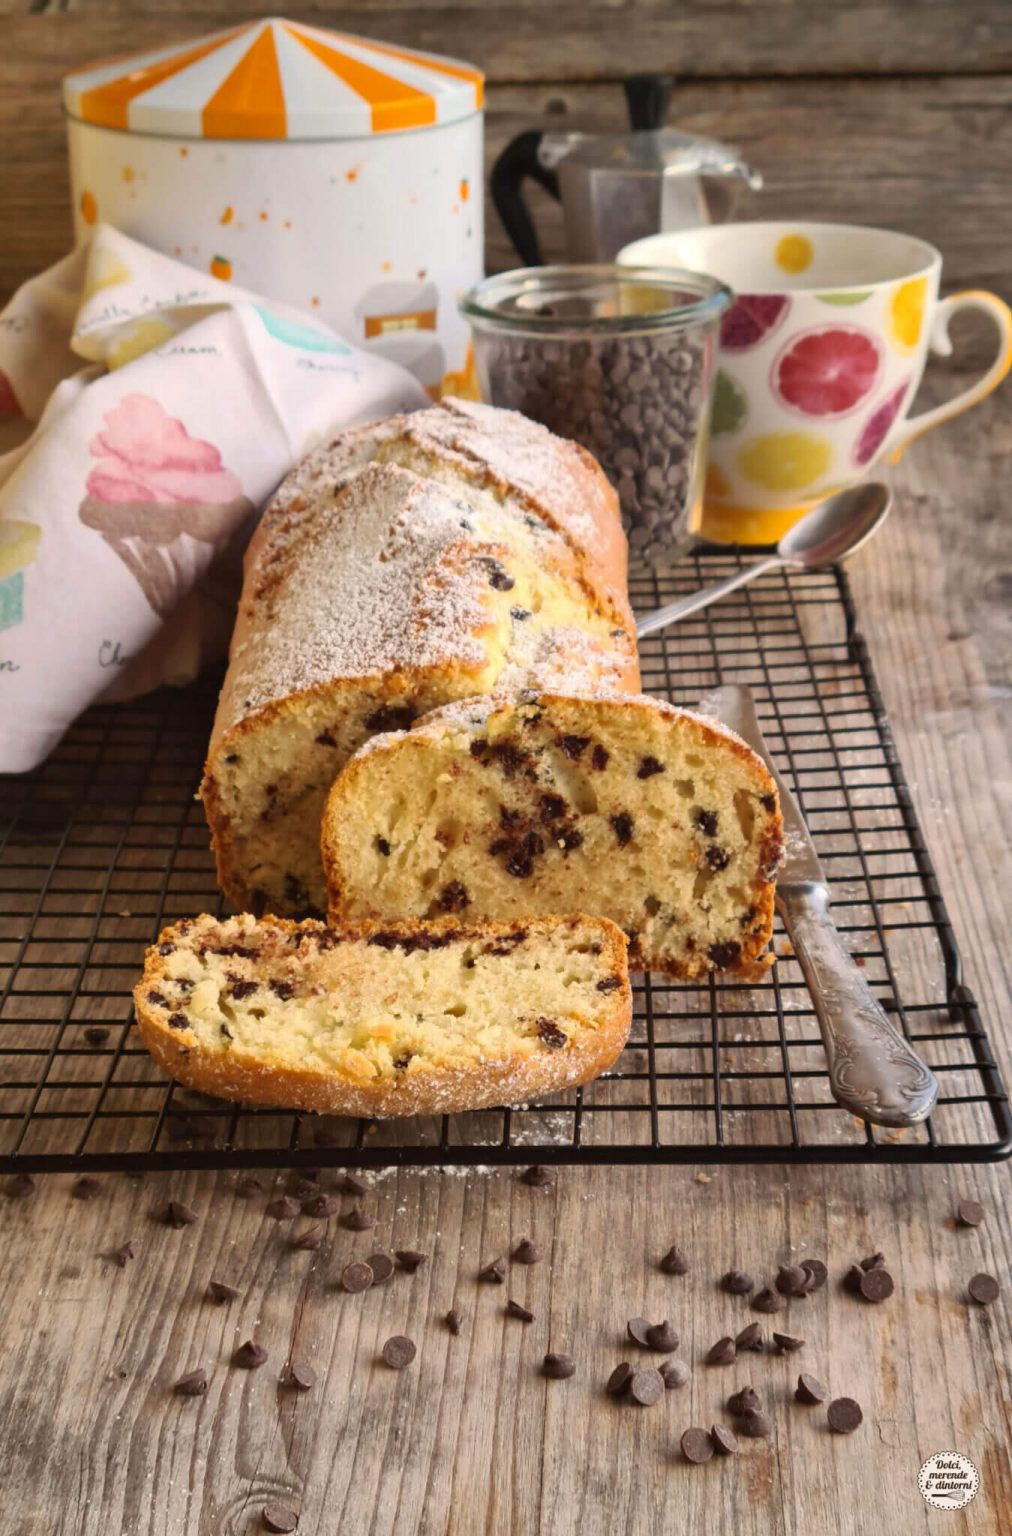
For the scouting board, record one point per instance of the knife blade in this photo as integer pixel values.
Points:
(873, 1070)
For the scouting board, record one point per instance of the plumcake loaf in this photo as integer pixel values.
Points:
(376, 590)
(622, 806)
(406, 1019)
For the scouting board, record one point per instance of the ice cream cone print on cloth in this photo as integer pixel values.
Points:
(155, 494)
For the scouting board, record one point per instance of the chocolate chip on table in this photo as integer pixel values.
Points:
(193, 1384)
(382, 1266)
(662, 1337)
(179, 1215)
(248, 1186)
(86, 1187)
(725, 1442)
(674, 1262)
(876, 1284)
(756, 1424)
(310, 1238)
(353, 1185)
(844, 1415)
(751, 1337)
(526, 1252)
(96, 1034)
(638, 1328)
(493, 1273)
(810, 1390)
(538, 1176)
(721, 1353)
(453, 1321)
(356, 1277)
(284, 1208)
(969, 1213)
(300, 1376)
(786, 1344)
(738, 1282)
(817, 1273)
(409, 1259)
(767, 1300)
(558, 1367)
(249, 1356)
(745, 1401)
(618, 1382)
(697, 1445)
(674, 1374)
(514, 1309)
(984, 1289)
(220, 1292)
(279, 1519)
(852, 1279)
(792, 1280)
(646, 1387)
(304, 1182)
(124, 1254)
(398, 1352)
(321, 1204)
(873, 1261)
(357, 1220)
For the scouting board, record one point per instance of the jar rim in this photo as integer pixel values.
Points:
(483, 303)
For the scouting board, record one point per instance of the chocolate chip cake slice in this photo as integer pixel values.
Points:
(617, 805)
(400, 1019)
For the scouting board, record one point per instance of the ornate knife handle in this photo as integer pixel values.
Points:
(873, 1072)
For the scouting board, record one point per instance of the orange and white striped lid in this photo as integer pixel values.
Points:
(275, 79)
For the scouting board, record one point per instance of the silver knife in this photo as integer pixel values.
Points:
(873, 1071)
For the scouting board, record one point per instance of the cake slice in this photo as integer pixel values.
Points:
(619, 805)
(403, 1019)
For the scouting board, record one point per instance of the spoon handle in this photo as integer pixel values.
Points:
(662, 617)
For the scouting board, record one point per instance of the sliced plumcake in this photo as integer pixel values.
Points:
(622, 806)
(398, 1019)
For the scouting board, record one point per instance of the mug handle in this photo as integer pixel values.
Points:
(941, 345)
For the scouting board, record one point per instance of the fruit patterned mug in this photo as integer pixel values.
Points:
(819, 360)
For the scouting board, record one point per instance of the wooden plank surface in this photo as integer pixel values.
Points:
(471, 1438)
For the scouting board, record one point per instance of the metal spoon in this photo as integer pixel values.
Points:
(831, 530)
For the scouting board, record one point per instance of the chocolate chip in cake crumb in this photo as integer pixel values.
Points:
(726, 954)
(178, 1021)
(478, 748)
(300, 1376)
(224, 1029)
(498, 576)
(158, 998)
(193, 1384)
(969, 1213)
(648, 767)
(96, 1034)
(725, 1442)
(622, 826)
(382, 1266)
(618, 1382)
(166, 949)
(241, 989)
(285, 990)
(309, 1239)
(398, 1352)
(575, 746)
(232, 757)
(283, 1208)
(402, 1061)
(279, 1519)
(674, 1374)
(876, 1284)
(453, 897)
(768, 803)
(409, 1259)
(357, 1220)
(984, 1289)
(325, 739)
(178, 1215)
(453, 1321)
(552, 807)
(551, 1035)
(599, 759)
(249, 1356)
(717, 858)
(844, 1415)
(810, 1390)
(738, 1282)
(538, 1176)
(520, 614)
(220, 1293)
(646, 1387)
(526, 1252)
(356, 1277)
(609, 984)
(493, 1273)
(697, 1446)
(391, 717)
(722, 1353)
(786, 1344)
(558, 1367)
(707, 822)
(514, 1309)
(509, 757)
(570, 838)
(750, 1337)
(381, 846)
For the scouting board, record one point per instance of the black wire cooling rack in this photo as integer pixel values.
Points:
(105, 843)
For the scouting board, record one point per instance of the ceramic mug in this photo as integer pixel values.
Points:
(819, 360)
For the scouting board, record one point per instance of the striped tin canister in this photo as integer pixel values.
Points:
(336, 174)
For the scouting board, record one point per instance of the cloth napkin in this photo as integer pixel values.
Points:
(168, 407)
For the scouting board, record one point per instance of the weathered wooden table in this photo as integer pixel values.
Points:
(471, 1438)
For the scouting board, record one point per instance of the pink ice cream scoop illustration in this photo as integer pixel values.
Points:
(156, 495)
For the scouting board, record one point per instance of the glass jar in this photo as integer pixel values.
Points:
(621, 359)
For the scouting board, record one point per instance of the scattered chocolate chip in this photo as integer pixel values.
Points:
(409, 1259)
(792, 1280)
(622, 826)
(675, 1262)
(721, 1353)
(86, 1187)
(844, 1415)
(453, 1321)
(674, 1373)
(179, 1215)
(526, 1252)
(194, 1384)
(646, 1387)
(873, 1261)
(984, 1289)
(357, 1277)
(817, 1272)
(398, 1352)
(284, 1208)
(279, 1519)
(786, 1344)
(96, 1034)
(638, 1328)
(618, 1382)
(877, 1284)
(538, 1176)
(697, 1445)
(357, 1220)
(220, 1292)
(558, 1367)
(514, 1309)
(309, 1239)
(745, 1401)
(494, 1272)
(551, 1035)
(648, 767)
(969, 1213)
(300, 1376)
(738, 1281)
(353, 1185)
(599, 759)
(852, 1279)
(248, 1186)
(662, 1337)
(322, 1204)
(382, 1266)
(249, 1356)
(756, 1424)
(303, 1185)
(124, 1254)
(725, 1442)
(751, 1337)
(767, 1300)
(810, 1390)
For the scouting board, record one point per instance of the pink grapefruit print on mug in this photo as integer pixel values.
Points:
(819, 360)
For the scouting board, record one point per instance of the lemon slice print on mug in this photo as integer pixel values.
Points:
(793, 253)
(906, 313)
(784, 461)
